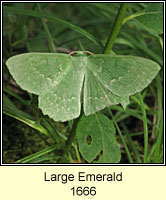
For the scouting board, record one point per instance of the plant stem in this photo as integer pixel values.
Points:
(113, 34)
(72, 133)
(50, 40)
(145, 128)
(116, 28)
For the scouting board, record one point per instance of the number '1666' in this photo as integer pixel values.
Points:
(79, 191)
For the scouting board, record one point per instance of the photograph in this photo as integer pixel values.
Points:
(82, 83)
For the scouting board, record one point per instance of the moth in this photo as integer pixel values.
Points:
(66, 81)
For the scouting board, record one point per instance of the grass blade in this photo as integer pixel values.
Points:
(145, 128)
(49, 36)
(58, 20)
(37, 154)
(17, 114)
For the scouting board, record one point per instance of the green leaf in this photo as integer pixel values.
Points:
(153, 18)
(96, 135)
(153, 7)
(61, 79)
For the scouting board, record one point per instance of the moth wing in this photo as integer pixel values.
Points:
(39, 72)
(97, 97)
(123, 75)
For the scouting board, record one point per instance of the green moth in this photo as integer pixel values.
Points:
(64, 81)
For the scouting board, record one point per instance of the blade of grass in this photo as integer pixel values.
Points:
(159, 101)
(130, 112)
(42, 123)
(46, 124)
(49, 36)
(138, 42)
(43, 158)
(145, 127)
(70, 158)
(37, 154)
(27, 103)
(122, 138)
(134, 98)
(138, 133)
(158, 145)
(151, 154)
(58, 20)
(77, 153)
(131, 144)
(19, 116)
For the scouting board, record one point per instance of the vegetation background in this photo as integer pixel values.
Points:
(28, 27)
